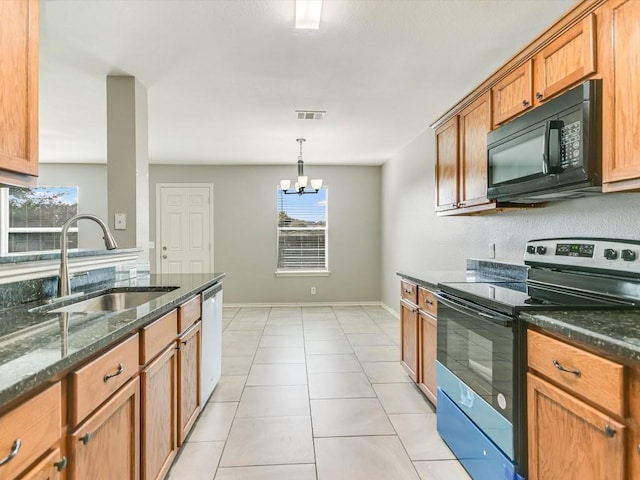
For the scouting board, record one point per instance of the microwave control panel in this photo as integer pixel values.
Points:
(570, 145)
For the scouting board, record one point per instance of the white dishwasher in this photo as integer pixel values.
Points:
(211, 361)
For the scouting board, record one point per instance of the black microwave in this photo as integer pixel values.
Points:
(550, 153)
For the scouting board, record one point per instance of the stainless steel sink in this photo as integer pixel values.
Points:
(113, 300)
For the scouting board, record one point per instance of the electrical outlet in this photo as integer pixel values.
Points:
(492, 250)
(313, 290)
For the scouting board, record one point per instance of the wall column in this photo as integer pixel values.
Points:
(128, 163)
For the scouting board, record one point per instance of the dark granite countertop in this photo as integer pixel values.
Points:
(616, 332)
(36, 347)
(476, 271)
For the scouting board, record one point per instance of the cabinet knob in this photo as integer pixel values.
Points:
(609, 431)
(525, 103)
(61, 464)
(164, 256)
(14, 451)
(538, 95)
(85, 438)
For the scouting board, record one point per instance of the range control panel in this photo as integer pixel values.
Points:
(588, 253)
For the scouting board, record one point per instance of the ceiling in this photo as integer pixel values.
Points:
(224, 77)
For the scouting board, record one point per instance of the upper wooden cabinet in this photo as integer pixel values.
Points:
(19, 92)
(461, 160)
(475, 123)
(566, 61)
(513, 94)
(619, 61)
(447, 166)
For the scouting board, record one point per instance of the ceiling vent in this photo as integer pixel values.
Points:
(310, 114)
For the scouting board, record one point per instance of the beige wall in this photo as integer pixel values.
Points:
(414, 239)
(245, 231)
(91, 180)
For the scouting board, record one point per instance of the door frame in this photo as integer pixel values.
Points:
(159, 187)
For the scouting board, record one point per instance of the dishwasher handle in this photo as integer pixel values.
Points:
(211, 292)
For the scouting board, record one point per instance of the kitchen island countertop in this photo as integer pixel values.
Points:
(37, 347)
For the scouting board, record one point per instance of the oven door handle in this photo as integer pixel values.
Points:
(468, 308)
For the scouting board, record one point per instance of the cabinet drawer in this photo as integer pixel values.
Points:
(155, 337)
(427, 301)
(30, 429)
(409, 291)
(595, 378)
(95, 382)
(188, 313)
(47, 468)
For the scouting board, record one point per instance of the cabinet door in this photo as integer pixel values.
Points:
(512, 95)
(619, 58)
(409, 339)
(567, 60)
(428, 337)
(475, 123)
(569, 439)
(447, 165)
(50, 467)
(159, 414)
(107, 445)
(19, 92)
(188, 380)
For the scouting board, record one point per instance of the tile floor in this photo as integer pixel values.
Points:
(314, 393)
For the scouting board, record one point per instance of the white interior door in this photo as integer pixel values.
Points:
(185, 229)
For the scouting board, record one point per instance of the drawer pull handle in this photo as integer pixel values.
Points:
(407, 291)
(556, 364)
(183, 342)
(107, 376)
(61, 464)
(14, 451)
(85, 438)
(609, 431)
(428, 302)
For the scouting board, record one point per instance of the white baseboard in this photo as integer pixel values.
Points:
(390, 310)
(309, 304)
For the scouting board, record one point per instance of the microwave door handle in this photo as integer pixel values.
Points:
(552, 147)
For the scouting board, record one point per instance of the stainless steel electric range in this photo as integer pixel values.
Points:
(481, 357)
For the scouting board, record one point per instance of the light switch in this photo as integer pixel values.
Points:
(120, 221)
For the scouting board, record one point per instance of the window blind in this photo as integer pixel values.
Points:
(302, 231)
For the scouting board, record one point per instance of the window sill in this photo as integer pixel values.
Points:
(303, 273)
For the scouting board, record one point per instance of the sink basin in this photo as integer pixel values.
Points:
(114, 300)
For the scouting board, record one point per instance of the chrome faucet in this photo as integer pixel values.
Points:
(109, 243)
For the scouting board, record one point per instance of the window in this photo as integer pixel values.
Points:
(34, 217)
(302, 232)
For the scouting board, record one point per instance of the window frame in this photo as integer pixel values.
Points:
(319, 272)
(6, 229)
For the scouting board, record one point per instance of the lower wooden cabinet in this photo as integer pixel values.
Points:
(569, 439)
(51, 467)
(189, 345)
(29, 430)
(409, 339)
(428, 336)
(159, 411)
(106, 446)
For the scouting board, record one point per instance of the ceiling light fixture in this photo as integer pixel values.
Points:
(308, 14)
(300, 187)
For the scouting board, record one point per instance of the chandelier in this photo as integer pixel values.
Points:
(300, 187)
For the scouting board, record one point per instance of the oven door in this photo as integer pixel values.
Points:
(475, 366)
